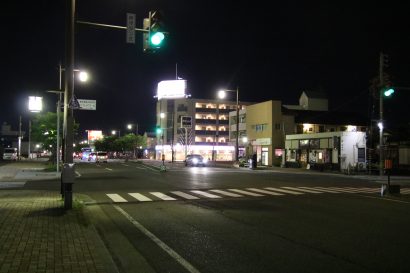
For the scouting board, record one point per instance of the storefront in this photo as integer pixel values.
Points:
(332, 150)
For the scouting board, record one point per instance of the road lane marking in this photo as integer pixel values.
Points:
(126, 165)
(246, 192)
(140, 168)
(265, 191)
(326, 190)
(4, 185)
(162, 196)
(78, 174)
(302, 190)
(140, 197)
(184, 195)
(227, 193)
(206, 194)
(116, 198)
(284, 191)
(108, 169)
(159, 243)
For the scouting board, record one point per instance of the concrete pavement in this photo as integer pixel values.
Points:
(38, 235)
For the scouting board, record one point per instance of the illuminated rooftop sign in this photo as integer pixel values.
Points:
(174, 89)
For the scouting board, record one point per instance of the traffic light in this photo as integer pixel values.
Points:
(388, 92)
(153, 37)
(158, 130)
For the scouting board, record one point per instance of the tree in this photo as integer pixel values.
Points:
(44, 130)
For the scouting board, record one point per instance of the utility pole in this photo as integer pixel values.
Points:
(381, 125)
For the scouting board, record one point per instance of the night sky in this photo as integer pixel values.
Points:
(269, 52)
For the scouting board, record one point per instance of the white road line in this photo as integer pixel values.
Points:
(206, 194)
(4, 185)
(78, 174)
(160, 243)
(326, 190)
(264, 191)
(140, 168)
(184, 195)
(227, 193)
(340, 190)
(116, 198)
(284, 191)
(302, 190)
(366, 190)
(108, 169)
(140, 197)
(126, 165)
(246, 192)
(162, 196)
(347, 190)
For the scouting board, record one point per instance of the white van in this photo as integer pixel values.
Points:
(10, 154)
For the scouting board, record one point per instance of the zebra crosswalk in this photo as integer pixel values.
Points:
(238, 193)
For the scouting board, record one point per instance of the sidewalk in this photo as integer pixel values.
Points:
(38, 235)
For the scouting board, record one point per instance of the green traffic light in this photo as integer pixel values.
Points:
(157, 38)
(159, 130)
(388, 92)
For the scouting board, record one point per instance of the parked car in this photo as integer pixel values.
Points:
(195, 160)
(10, 154)
(102, 157)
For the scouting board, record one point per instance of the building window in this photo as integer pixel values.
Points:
(321, 129)
(182, 108)
(260, 127)
(277, 126)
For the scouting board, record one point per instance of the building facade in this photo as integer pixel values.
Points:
(207, 134)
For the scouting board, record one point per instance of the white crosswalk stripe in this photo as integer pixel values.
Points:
(265, 191)
(226, 193)
(116, 198)
(140, 197)
(302, 190)
(184, 195)
(284, 191)
(162, 196)
(255, 192)
(206, 194)
(246, 192)
(325, 190)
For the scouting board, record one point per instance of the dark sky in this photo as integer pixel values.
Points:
(270, 51)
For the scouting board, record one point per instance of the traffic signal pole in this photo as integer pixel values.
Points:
(381, 125)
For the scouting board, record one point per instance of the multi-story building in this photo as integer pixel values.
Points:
(208, 133)
(269, 124)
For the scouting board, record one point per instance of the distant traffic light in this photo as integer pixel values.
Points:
(158, 130)
(153, 38)
(388, 92)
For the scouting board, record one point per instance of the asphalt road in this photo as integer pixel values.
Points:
(229, 220)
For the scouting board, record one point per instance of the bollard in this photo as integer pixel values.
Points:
(67, 177)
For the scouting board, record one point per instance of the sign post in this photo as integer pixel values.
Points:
(130, 28)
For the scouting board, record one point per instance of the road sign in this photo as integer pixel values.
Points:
(74, 104)
(87, 104)
(186, 122)
(131, 28)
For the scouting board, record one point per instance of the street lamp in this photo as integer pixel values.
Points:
(114, 132)
(221, 95)
(130, 125)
